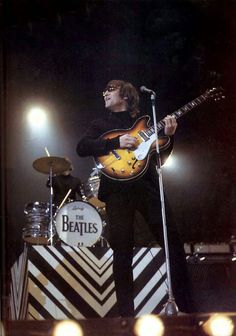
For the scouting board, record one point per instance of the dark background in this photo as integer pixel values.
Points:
(61, 54)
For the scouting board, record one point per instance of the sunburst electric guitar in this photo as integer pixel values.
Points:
(126, 164)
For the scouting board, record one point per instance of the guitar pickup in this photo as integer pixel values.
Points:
(143, 136)
(117, 156)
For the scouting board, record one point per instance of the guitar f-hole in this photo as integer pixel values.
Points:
(133, 166)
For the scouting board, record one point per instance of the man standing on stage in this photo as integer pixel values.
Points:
(123, 198)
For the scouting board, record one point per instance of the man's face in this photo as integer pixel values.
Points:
(112, 99)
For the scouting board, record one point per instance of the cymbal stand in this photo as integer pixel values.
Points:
(51, 206)
(170, 307)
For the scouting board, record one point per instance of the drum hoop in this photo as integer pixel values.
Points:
(85, 202)
(37, 203)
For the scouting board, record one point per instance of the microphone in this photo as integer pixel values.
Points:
(146, 90)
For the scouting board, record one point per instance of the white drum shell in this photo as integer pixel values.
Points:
(37, 218)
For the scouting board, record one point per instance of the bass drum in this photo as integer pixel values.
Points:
(79, 224)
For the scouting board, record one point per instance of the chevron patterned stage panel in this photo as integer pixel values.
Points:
(70, 282)
(18, 288)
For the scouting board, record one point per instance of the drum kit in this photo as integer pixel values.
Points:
(73, 223)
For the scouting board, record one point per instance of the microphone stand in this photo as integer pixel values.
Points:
(170, 307)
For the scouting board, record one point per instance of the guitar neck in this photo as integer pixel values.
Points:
(180, 112)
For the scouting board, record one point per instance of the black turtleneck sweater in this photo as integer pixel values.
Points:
(92, 144)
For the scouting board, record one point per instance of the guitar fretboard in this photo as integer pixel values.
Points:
(179, 113)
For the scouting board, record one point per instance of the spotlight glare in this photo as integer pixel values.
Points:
(219, 325)
(149, 325)
(170, 162)
(37, 117)
(70, 328)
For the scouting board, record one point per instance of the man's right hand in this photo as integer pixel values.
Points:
(128, 141)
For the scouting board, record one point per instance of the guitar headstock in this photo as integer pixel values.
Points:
(215, 93)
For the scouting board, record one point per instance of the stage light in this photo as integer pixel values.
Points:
(37, 117)
(149, 325)
(232, 245)
(170, 162)
(219, 325)
(67, 327)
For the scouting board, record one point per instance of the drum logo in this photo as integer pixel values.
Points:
(79, 224)
(81, 227)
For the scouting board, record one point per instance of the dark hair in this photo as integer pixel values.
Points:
(127, 90)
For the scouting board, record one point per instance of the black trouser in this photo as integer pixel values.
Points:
(121, 210)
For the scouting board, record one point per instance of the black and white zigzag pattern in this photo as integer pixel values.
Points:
(70, 282)
(19, 288)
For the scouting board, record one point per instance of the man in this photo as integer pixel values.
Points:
(123, 198)
(63, 183)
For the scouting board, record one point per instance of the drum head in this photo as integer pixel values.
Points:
(79, 224)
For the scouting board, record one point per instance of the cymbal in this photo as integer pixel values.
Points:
(58, 165)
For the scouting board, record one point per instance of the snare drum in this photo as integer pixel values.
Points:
(78, 224)
(91, 192)
(37, 219)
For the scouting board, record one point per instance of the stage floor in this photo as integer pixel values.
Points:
(191, 324)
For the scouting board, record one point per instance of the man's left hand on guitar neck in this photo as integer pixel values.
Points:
(170, 125)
